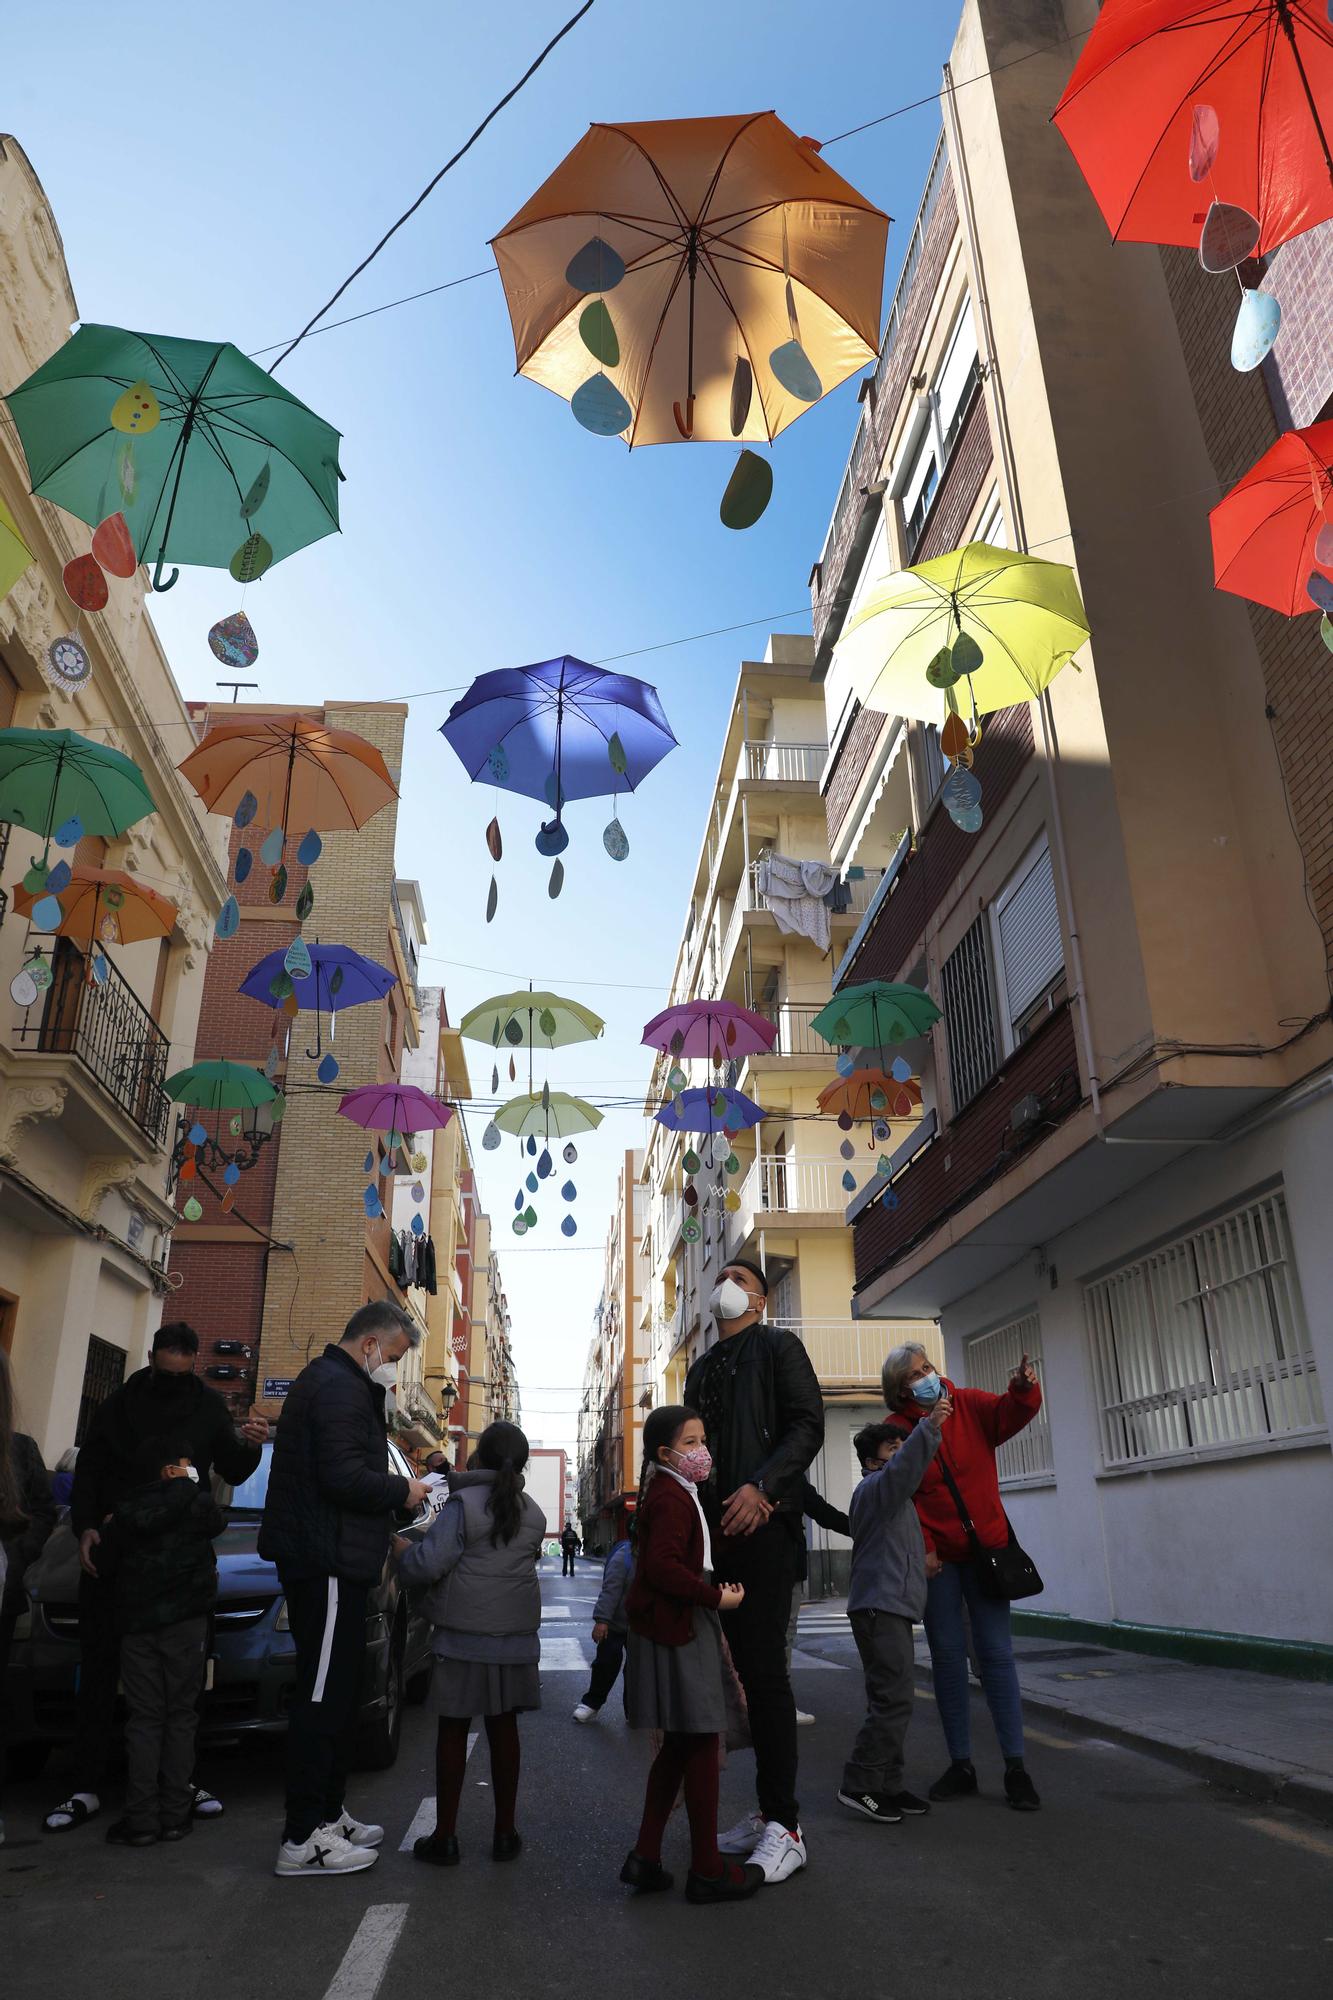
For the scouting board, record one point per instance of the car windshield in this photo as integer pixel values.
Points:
(249, 1496)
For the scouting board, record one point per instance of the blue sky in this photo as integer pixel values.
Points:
(219, 174)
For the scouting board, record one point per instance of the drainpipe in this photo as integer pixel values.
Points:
(1014, 506)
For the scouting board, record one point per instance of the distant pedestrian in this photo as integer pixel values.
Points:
(166, 1396)
(814, 1507)
(885, 1597)
(674, 1676)
(484, 1603)
(764, 1417)
(27, 1516)
(157, 1555)
(569, 1548)
(610, 1630)
(328, 1522)
(980, 1425)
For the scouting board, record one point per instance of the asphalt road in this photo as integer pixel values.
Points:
(1134, 1880)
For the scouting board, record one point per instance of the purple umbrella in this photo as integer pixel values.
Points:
(394, 1107)
(338, 977)
(560, 730)
(716, 1029)
(710, 1111)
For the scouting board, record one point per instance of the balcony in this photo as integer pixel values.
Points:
(783, 763)
(785, 1184)
(858, 896)
(109, 1032)
(795, 1034)
(849, 1354)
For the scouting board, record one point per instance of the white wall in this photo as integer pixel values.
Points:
(834, 1474)
(543, 1477)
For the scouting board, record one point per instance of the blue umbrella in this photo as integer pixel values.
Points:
(711, 1111)
(337, 977)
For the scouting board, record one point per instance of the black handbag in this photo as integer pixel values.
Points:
(1004, 1573)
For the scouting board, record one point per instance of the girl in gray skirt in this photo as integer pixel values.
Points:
(673, 1674)
(484, 1602)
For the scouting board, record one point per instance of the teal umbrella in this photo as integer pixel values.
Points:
(199, 450)
(56, 781)
(220, 1086)
(876, 1015)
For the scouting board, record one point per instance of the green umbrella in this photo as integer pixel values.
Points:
(220, 1086)
(549, 1113)
(50, 778)
(194, 444)
(539, 1019)
(876, 1015)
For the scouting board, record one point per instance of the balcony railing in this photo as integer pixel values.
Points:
(111, 1033)
(785, 1184)
(785, 763)
(849, 1354)
(796, 1036)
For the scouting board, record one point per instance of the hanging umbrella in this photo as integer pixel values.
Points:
(870, 1093)
(1272, 529)
(15, 555)
(301, 772)
(744, 276)
(718, 1030)
(1260, 69)
(710, 1111)
(194, 445)
(992, 624)
(338, 977)
(876, 1015)
(54, 781)
(533, 1019)
(220, 1086)
(396, 1108)
(104, 906)
(549, 1114)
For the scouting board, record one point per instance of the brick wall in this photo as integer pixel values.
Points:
(1301, 368)
(854, 754)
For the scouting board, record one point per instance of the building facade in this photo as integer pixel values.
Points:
(617, 1385)
(1127, 1119)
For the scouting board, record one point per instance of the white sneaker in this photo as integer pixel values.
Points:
(325, 1853)
(804, 1718)
(745, 1836)
(585, 1714)
(779, 1853)
(357, 1832)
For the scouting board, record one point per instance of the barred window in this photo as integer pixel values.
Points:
(991, 1360)
(969, 1016)
(1203, 1344)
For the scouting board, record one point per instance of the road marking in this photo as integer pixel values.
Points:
(562, 1654)
(550, 1611)
(1295, 1835)
(1048, 1742)
(366, 1959)
(423, 1820)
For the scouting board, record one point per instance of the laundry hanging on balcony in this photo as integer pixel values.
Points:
(798, 894)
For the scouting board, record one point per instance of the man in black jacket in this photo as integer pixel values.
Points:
(167, 1395)
(764, 1416)
(328, 1519)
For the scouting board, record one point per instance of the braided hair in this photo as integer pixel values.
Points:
(503, 1450)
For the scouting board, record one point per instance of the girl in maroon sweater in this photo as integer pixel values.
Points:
(673, 1674)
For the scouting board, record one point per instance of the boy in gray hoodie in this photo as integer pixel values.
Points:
(886, 1595)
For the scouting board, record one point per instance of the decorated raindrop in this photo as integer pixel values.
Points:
(570, 1154)
(569, 1191)
(328, 1069)
(568, 1226)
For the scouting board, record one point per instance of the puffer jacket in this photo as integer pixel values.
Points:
(774, 1423)
(24, 1538)
(331, 1497)
(157, 1553)
(478, 1584)
(609, 1610)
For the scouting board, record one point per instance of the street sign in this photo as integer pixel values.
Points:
(277, 1385)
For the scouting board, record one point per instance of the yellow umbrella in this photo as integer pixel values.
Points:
(15, 555)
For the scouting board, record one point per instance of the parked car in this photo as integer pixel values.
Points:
(252, 1666)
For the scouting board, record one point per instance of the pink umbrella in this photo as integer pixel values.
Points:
(720, 1029)
(394, 1107)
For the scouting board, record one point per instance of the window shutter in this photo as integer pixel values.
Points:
(1030, 944)
(965, 981)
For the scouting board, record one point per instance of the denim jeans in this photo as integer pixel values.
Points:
(946, 1595)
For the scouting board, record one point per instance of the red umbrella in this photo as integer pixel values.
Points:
(1266, 528)
(1264, 67)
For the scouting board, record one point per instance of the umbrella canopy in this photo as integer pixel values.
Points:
(1010, 620)
(104, 906)
(718, 1030)
(876, 1015)
(339, 977)
(301, 772)
(550, 1114)
(560, 724)
(15, 555)
(722, 243)
(1262, 66)
(534, 1020)
(191, 442)
(51, 779)
(710, 1111)
(1266, 529)
(394, 1107)
(870, 1093)
(220, 1086)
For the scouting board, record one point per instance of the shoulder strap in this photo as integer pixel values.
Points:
(957, 1499)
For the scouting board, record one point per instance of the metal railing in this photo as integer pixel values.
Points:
(796, 1036)
(111, 1033)
(784, 763)
(849, 1354)
(409, 949)
(785, 1184)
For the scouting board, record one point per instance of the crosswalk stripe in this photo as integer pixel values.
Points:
(563, 1654)
(423, 1819)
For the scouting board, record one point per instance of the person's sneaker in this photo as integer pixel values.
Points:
(877, 1806)
(804, 1718)
(645, 1875)
(907, 1802)
(1020, 1791)
(779, 1853)
(745, 1836)
(958, 1782)
(358, 1832)
(72, 1812)
(733, 1885)
(583, 1713)
(120, 1833)
(325, 1853)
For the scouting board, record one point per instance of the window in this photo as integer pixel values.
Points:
(991, 528)
(1202, 1346)
(1029, 950)
(103, 1373)
(991, 1360)
(969, 1016)
(932, 766)
(959, 374)
(923, 476)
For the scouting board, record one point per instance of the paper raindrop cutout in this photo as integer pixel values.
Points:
(232, 640)
(192, 1210)
(296, 959)
(748, 492)
(250, 561)
(246, 810)
(595, 268)
(568, 1226)
(742, 392)
(1256, 329)
(570, 1154)
(113, 546)
(1228, 238)
(557, 881)
(1204, 136)
(85, 585)
(136, 411)
(328, 1069)
(229, 919)
(271, 851)
(598, 333)
(615, 840)
(245, 861)
(795, 371)
(310, 849)
(494, 843)
(305, 903)
(69, 663)
(599, 406)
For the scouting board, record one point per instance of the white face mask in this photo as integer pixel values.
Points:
(729, 1300)
(387, 1372)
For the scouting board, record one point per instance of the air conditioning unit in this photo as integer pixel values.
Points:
(1025, 1114)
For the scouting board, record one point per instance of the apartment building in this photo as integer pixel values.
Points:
(427, 1380)
(617, 1384)
(1124, 1154)
(85, 1126)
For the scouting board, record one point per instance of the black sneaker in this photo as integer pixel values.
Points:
(907, 1802)
(121, 1834)
(1020, 1791)
(958, 1782)
(737, 1881)
(645, 1875)
(872, 1805)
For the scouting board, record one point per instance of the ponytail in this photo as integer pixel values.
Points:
(503, 1450)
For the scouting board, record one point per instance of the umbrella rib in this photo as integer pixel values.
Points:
(656, 171)
(180, 446)
(735, 138)
(714, 277)
(653, 345)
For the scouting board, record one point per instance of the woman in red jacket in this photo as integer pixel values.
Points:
(673, 1674)
(979, 1426)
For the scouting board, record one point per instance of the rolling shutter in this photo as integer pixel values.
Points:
(1031, 949)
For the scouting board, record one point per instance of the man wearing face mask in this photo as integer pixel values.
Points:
(328, 1519)
(166, 1396)
(763, 1415)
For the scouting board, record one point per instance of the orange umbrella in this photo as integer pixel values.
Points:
(104, 906)
(299, 772)
(870, 1093)
(742, 278)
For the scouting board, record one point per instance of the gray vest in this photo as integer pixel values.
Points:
(493, 1587)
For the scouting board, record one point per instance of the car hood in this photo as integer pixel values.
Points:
(242, 1571)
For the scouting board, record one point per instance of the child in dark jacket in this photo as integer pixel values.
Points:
(610, 1629)
(157, 1554)
(673, 1681)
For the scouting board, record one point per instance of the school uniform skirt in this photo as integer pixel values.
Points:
(678, 1687)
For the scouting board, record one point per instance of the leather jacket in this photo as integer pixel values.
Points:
(774, 1423)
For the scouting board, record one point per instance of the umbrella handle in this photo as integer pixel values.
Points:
(684, 424)
(163, 583)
